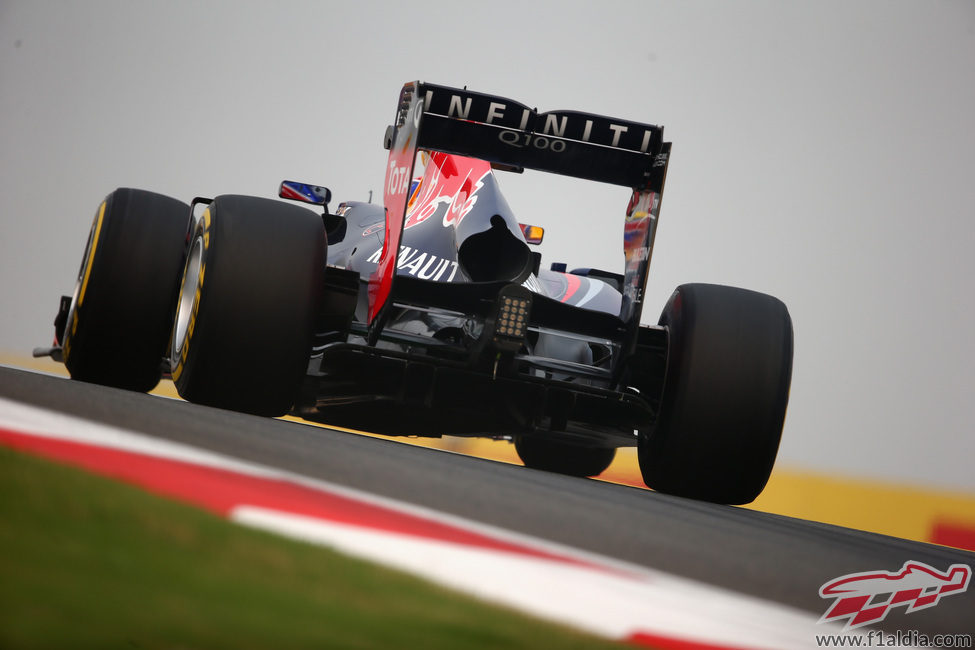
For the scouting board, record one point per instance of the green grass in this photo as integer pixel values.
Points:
(89, 562)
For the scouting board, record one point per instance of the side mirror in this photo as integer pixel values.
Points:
(533, 234)
(305, 193)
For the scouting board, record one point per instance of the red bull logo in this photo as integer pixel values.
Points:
(864, 598)
(451, 181)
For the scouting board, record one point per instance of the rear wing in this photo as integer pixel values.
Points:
(510, 135)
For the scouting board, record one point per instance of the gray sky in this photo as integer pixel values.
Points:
(823, 152)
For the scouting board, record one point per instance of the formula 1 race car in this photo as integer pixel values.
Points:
(430, 315)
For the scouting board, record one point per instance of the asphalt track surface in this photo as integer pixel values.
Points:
(776, 558)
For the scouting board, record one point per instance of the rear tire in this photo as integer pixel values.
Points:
(121, 316)
(247, 305)
(725, 394)
(562, 457)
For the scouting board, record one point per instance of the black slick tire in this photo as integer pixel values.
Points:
(562, 457)
(247, 304)
(118, 327)
(725, 394)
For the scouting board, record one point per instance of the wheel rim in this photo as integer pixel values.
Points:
(187, 296)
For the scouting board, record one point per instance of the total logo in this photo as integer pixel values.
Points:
(397, 179)
(867, 597)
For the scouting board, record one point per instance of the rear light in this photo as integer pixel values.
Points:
(511, 320)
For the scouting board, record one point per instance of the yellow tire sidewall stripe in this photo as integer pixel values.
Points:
(72, 326)
(91, 254)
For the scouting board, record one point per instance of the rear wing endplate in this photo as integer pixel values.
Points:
(510, 135)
